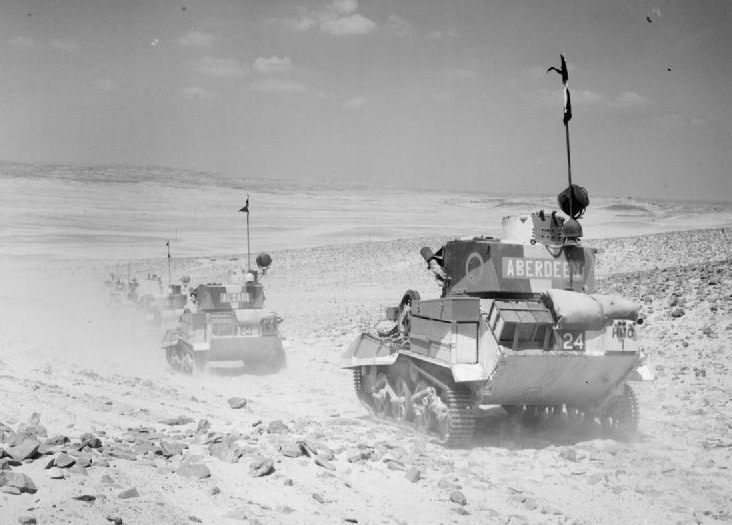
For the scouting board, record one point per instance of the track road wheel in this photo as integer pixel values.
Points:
(423, 416)
(402, 408)
(620, 417)
(380, 396)
(455, 417)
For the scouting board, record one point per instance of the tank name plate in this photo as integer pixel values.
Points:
(524, 268)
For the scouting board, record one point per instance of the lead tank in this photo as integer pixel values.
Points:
(517, 324)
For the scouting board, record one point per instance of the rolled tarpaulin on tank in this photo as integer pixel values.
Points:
(579, 311)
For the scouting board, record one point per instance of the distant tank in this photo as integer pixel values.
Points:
(517, 325)
(157, 312)
(228, 323)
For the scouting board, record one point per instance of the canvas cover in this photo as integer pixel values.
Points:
(580, 311)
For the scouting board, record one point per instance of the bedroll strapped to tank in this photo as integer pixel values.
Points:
(580, 311)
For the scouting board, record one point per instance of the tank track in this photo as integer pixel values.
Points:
(618, 418)
(460, 415)
(440, 410)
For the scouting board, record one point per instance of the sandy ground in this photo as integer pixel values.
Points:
(191, 458)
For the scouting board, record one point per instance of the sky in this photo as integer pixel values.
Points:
(415, 93)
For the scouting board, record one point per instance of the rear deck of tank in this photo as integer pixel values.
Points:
(553, 378)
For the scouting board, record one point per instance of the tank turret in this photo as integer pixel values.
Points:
(538, 252)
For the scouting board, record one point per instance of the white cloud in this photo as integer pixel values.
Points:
(66, 45)
(21, 42)
(348, 25)
(197, 93)
(339, 18)
(195, 38)
(278, 85)
(356, 102)
(220, 67)
(272, 65)
(105, 84)
(400, 26)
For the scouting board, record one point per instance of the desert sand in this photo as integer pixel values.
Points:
(129, 441)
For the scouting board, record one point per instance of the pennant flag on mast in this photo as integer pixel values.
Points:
(245, 209)
(562, 70)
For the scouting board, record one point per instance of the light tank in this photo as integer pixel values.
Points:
(517, 325)
(228, 322)
(159, 312)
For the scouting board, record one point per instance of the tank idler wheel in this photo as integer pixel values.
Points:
(620, 416)
(455, 416)
(402, 408)
(423, 416)
(380, 395)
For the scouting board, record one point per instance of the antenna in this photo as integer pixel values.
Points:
(245, 209)
(168, 245)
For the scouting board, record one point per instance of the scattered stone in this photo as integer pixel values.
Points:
(196, 470)
(285, 509)
(84, 497)
(224, 453)
(203, 426)
(114, 519)
(277, 427)
(325, 464)
(677, 312)
(319, 497)
(16, 480)
(106, 479)
(458, 497)
(15, 491)
(63, 460)
(76, 469)
(195, 519)
(28, 448)
(289, 482)
(83, 460)
(261, 467)
(237, 402)
(129, 493)
(292, 450)
(27, 520)
(56, 473)
(171, 448)
(91, 441)
(176, 421)
(414, 475)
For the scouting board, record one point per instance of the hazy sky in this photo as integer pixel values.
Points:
(434, 93)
